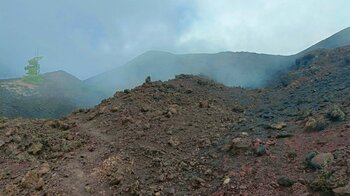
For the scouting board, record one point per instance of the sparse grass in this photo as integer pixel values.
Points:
(292, 155)
(328, 179)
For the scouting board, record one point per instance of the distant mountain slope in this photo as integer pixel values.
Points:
(342, 38)
(63, 84)
(59, 94)
(230, 68)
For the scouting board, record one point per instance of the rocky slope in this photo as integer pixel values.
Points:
(339, 39)
(193, 136)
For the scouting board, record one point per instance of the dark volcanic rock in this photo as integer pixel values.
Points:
(260, 150)
(285, 181)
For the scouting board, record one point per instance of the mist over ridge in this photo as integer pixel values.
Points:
(61, 92)
(245, 69)
(86, 38)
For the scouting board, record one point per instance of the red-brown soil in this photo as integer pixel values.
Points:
(192, 136)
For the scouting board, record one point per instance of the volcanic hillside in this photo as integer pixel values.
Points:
(192, 136)
(59, 94)
(245, 69)
(336, 40)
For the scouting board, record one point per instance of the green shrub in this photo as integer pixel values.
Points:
(32, 75)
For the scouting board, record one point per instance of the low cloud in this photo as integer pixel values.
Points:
(86, 37)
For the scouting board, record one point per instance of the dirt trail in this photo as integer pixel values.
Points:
(78, 167)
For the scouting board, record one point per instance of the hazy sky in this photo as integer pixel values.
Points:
(86, 37)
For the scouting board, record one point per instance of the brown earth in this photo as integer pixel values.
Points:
(192, 136)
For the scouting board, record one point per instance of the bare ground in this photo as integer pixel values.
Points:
(192, 136)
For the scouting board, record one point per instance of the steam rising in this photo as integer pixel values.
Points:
(85, 37)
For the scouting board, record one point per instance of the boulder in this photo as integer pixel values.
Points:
(173, 141)
(145, 108)
(115, 109)
(315, 124)
(57, 124)
(240, 145)
(204, 104)
(35, 148)
(32, 180)
(321, 160)
(260, 150)
(226, 180)
(173, 110)
(285, 181)
(284, 134)
(44, 168)
(278, 126)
